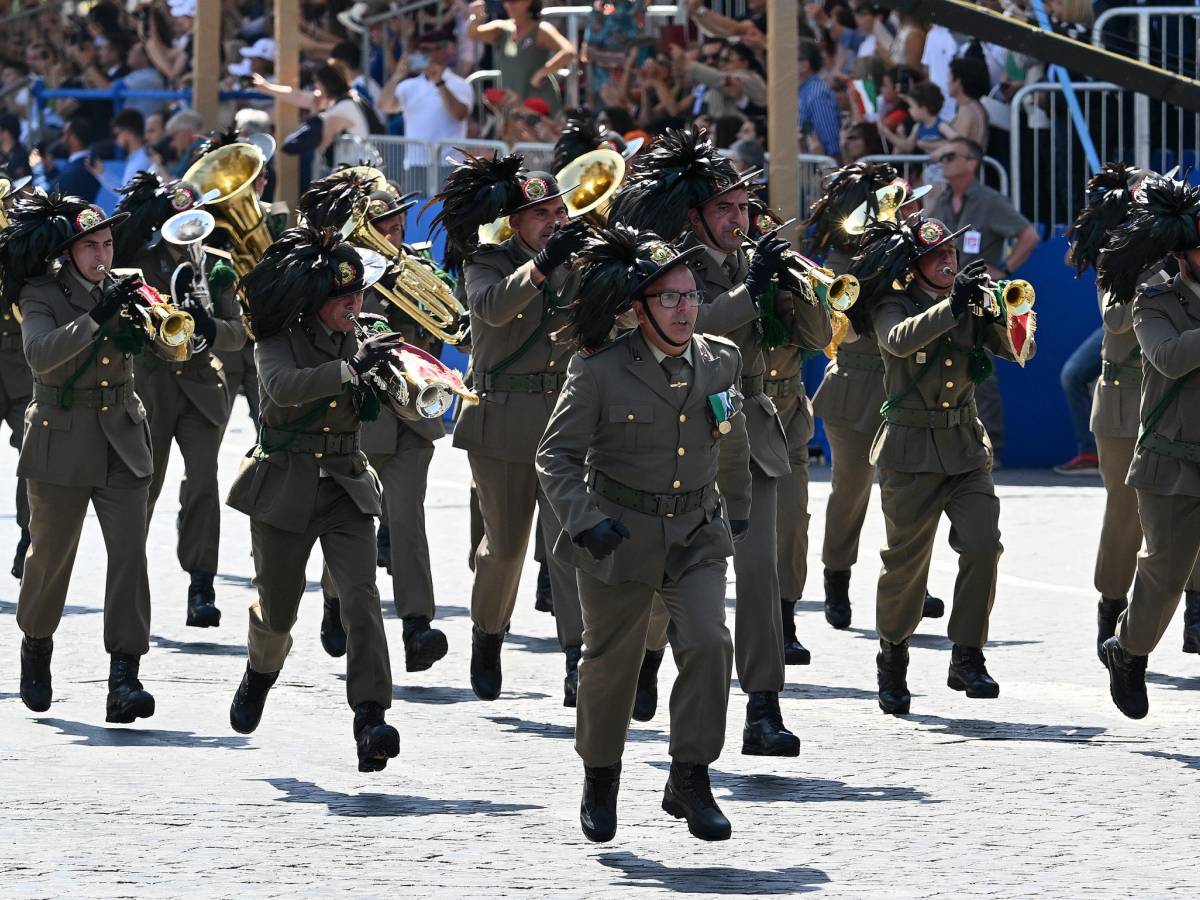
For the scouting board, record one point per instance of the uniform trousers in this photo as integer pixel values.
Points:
(509, 498)
(14, 415)
(913, 503)
(849, 495)
(1172, 526)
(57, 513)
(615, 619)
(792, 527)
(347, 537)
(404, 475)
(246, 381)
(758, 628)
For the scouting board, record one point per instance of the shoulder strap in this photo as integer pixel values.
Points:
(894, 400)
(550, 302)
(1163, 404)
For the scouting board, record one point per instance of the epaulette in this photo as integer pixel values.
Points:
(1153, 290)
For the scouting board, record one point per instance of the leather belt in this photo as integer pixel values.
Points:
(341, 443)
(93, 398)
(196, 364)
(535, 383)
(784, 387)
(862, 362)
(666, 505)
(10, 343)
(1113, 372)
(1165, 446)
(924, 418)
(751, 385)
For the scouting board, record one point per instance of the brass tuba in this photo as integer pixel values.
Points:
(597, 175)
(232, 170)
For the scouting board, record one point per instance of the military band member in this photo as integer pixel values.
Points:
(1166, 460)
(643, 431)
(186, 401)
(850, 393)
(684, 187)
(307, 480)
(516, 292)
(86, 441)
(933, 324)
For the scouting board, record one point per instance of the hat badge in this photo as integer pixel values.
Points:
(535, 189)
(763, 222)
(660, 254)
(930, 233)
(344, 274)
(182, 197)
(88, 218)
(377, 208)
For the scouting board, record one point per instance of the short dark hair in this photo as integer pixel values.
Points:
(348, 53)
(809, 52)
(331, 82)
(11, 124)
(81, 126)
(974, 151)
(972, 74)
(130, 119)
(928, 95)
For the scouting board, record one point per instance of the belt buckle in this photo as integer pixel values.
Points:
(665, 505)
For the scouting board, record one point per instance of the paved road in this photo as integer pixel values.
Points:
(1046, 790)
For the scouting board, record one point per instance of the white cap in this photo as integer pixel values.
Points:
(263, 48)
(181, 8)
(241, 69)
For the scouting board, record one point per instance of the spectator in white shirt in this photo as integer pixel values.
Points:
(435, 101)
(940, 48)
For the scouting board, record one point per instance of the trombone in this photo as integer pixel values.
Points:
(189, 282)
(167, 327)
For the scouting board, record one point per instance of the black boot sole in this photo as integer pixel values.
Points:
(895, 709)
(837, 621)
(752, 747)
(336, 650)
(432, 649)
(1191, 644)
(646, 713)
(797, 657)
(597, 837)
(124, 715)
(484, 692)
(990, 692)
(676, 809)
(933, 610)
(1112, 692)
(36, 704)
(374, 757)
(570, 700)
(203, 618)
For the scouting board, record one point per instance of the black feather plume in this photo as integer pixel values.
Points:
(608, 272)
(215, 140)
(845, 190)
(330, 201)
(477, 192)
(1108, 198)
(886, 251)
(293, 278)
(40, 223)
(149, 206)
(580, 135)
(1161, 221)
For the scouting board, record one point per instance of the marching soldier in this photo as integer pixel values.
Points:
(681, 182)
(307, 480)
(850, 393)
(643, 431)
(86, 440)
(933, 324)
(187, 401)
(1166, 460)
(517, 291)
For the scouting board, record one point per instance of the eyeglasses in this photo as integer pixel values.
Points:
(947, 157)
(671, 299)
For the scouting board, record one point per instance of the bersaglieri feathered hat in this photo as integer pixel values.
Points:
(1108, 195)
(149, 203)
(845, 190)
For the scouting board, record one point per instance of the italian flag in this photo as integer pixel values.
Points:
(864, 97)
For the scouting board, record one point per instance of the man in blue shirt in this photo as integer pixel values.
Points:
(75, 177)
(817, 107)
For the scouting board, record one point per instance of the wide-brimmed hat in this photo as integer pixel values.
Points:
(88, 220)
(355, 269)
(1163, 218)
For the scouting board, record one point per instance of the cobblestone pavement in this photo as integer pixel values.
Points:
(1047, 790)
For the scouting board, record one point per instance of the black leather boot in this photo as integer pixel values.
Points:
(645, 702)
(18, 569)
(891, 666)
(837, 598)
(423, 646)
(1191, 622)
(333, 635)
(968, 672)
(794, 652)
(383, 547)
(571, 682)
(36, 690)
(688, 796)
(202, 609)
(764, 733)
(1126, 679)
(377, 740)
(127, 699)
(933, 608)
(247, 708)
(598, 809)
(1108, 610)
(543, 600)
(486, 676)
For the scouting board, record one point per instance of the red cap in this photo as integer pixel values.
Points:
(537, 105)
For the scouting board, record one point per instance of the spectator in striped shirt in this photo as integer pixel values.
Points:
(819, 119)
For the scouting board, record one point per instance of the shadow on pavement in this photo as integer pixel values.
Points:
(1192, 762)
(97, 736)
(984, 730)
(534, 644)
(516, 725)
(199, 648)
(767, 788)
(441, 694)
(247, 581)
(826, 692)
(638, 871)
(369, 805)
(1174, 681)
(934, 641)
(9, 608)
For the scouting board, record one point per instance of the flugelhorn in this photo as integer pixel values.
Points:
(413, 384)
(168, 327)
(835, 292)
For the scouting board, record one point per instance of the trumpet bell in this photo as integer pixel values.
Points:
(843, 293)
(188, 227)
(597, 175)
(887, 203)
(1018, 296)
(497, 232)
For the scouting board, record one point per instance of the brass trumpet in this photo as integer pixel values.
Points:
(836, 293)
(1006, 299)
(165, 325)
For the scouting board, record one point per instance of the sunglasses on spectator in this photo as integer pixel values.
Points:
(949, 157)
(671, 299)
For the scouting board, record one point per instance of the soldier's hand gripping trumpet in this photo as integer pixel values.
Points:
(145, 308)
(836, 293)
(414, 384)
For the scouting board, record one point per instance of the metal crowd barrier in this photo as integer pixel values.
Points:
(909, 165)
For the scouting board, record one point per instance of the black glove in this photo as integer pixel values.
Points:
(206, 326)
(601, 540)
(969, 283)
(374, 350)
(563, 244)
(113, 296)
(767, 261)
(738, 528)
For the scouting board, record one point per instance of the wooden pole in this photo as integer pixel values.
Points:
(206, 61)
(782, 118)
(287, 118)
